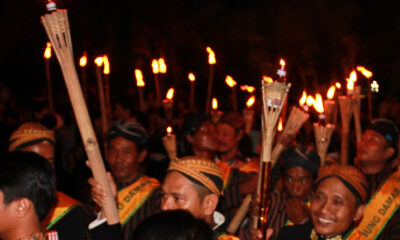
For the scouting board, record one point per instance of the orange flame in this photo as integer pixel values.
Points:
(211, 56)
(106, 65)
(251, 101)
(139, 78)
(318, 104)
(331, 92)
(154, 65)
(170, 93)
(47, 52)
(191, 77)
(162, 66)
(229, 81)
(310, 101)
(280, 125)
(99, 61)
(83, 60)
(267, 79)
(169, 130)
(351, 80)
(364, 71)
(214, 104)
(282, 62)
(303, 98)
(338, 85)
(249, 89)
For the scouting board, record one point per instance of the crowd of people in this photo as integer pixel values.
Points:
(47, 191)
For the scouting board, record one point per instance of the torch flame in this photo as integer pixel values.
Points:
(162, 66)
(267, 79)
(280, 125)
(47, 52)
(338, 85)
(99, 61)
(364, 71)
(229, 81)
(170, 93)
(282, 62)
(251, 101)
(351, 80)
(331, 92)
(249, 89)
(106, 65)
(83, 60)
(214, 104)
(154, 65)
(303, 98)
(310, 101)
(318, 104)
(191, 77)
(139, 78)
(169, 130)
(211, 56)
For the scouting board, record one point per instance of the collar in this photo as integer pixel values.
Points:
(123, 185)
(35, 236)
(219, 219)
(315, 236)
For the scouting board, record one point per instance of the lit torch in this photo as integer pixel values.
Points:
(211, 62)
(249, 89)
(350, 82)
(99, 63)
(302, 101)
(82, 64)
(156, 71)
(169, 142)
(168, 104)
(280, 125)
(248, 114)
(192, 79)
(232, 83)
(368, 75)
(330, 105)
(106, 71)
(47, 56)
(215, 114)
(140, 84)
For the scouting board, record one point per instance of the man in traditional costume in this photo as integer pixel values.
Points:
(27, 191)
(138, 195)
(68, 216)
(337, 203)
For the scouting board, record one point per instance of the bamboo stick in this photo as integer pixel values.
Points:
(323, 135)
(103, 107)
(356, 112)
(209, 88)
(346, 111)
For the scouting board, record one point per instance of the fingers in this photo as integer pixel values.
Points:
(97, 192)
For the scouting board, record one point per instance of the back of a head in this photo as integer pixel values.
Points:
(173, 225)
(28, 175)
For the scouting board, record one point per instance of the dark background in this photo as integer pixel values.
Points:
(320, 40)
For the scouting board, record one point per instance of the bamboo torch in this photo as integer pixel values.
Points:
(57, 28)
(356, 112)
(368, 75)
(162, 67)
(232, 83)
(82, 64)
(103, 108)
(140, 84)
(47, 56)
(215, 114)
(169, 142)
(330, 105)
(192, 79)
(156, 71)
(282, 78)
(168, 104)
(106, 72)
(248, 114)
(211, 62)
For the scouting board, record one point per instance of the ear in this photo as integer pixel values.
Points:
(209, 204)
(142, 155)
(359, 213)
(189, 138)
(22, 207)
(389, 151)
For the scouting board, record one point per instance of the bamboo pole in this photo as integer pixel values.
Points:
(57, 28)
(103, 107)
(346, 111)
(209, 88)
(356, 112)
(323, 134)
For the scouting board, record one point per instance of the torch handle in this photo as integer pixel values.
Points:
(209, 89)
(239, 215)
(103, 108)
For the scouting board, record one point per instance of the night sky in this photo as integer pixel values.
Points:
(321, 41)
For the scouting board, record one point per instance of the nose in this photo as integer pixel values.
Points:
(296, 188)
(324, 208)
(167, 204)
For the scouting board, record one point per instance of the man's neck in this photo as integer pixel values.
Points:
(205, 154)
(229, 155)
(23, 230)
(372, 168)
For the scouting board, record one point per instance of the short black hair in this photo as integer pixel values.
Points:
(28, 175)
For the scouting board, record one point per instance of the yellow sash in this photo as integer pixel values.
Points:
(63, 206)
(379, 210)
(227, 236)
(131, 198)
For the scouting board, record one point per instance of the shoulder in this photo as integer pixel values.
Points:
(299, 232)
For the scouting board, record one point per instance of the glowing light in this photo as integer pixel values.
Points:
(169, 130)
(191, 77)
(303, 98)
(338, 85)
(374, 86)
(351, 80)
(99, 61)
(318, 104)
(310, 101)
(211, 56)
(251, 101)
(249, 89)
(364, 71)
(47, 52)
(170, 93)
(106, 65)
(282, 62)
(162, 66)
(154, 65)
(83, 60)
(267, 79)
(214, 104)
(331, 92)
(139, 78)
(229, 81)
(280, 125)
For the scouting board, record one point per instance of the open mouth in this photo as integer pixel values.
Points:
(324, 220)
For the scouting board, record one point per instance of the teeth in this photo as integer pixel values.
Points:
(323, 220)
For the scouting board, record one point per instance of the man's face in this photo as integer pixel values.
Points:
(227, 138)
(44, 149)
(179, 193)
(333, 207)
(298, 182)
(123, 159)
(372, 148)
(205, 137)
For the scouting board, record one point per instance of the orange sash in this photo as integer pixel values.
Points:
(227, 236)
(63, 206)
(226, 169)
(132, 197)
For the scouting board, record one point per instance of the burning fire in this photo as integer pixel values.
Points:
(47, 52)
(170, 93)
(191, 77)
(318, 104)
(154, 65)
(99, 61)
(83, 60)
(374, 86)
(280, 125)
(331, 92)
(310, 101)
(351, 80)
(161, 65)
(267, 79)
(282, 63)
(249, 89)
(364, 71)
(106, 65)
(303, 98)
(139, 78)
(229, 81)
(211, 56)
(169, 130)
(214, 104)
(338, 85)
(251, 101)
